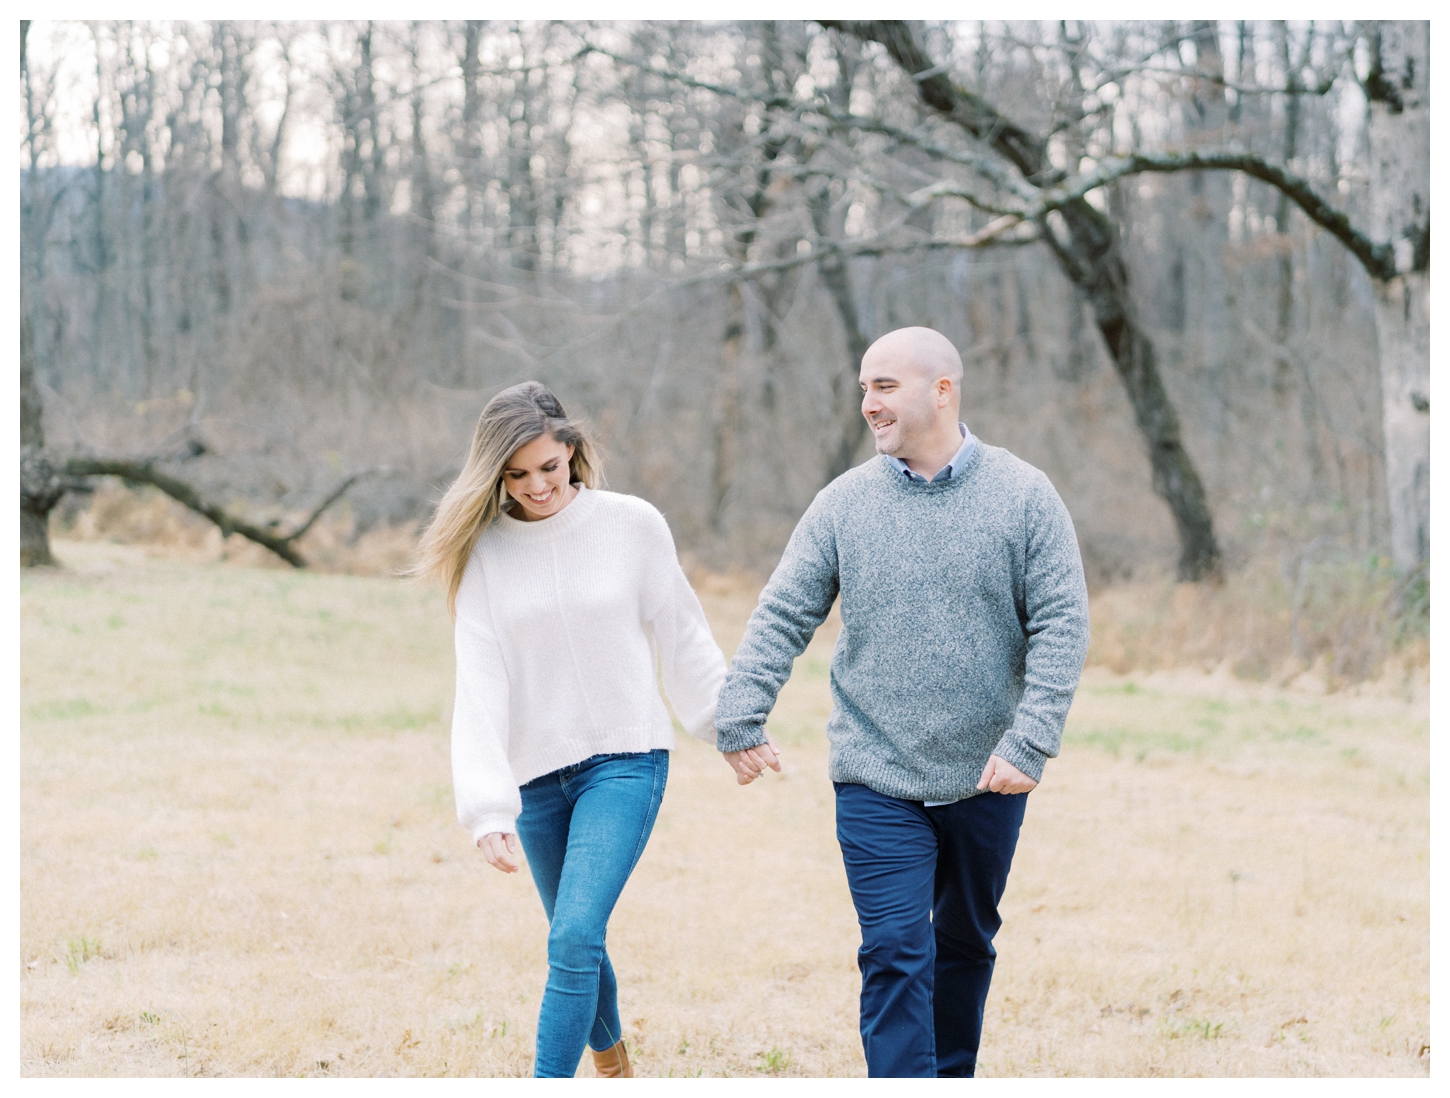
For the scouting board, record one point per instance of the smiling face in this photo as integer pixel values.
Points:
(910, 385)
(900, 408)
(537, 477)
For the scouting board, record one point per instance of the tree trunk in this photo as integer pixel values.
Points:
(725, 435)
(829, 225)
(1402, 315)
(1092, 259)
(40, 490)
(1399, 90)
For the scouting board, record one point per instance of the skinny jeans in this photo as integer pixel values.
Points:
(926, 883)
(583, 828)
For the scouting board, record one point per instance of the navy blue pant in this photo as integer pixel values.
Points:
(926, 883)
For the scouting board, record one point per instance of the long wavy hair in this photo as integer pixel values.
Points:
(513, 418)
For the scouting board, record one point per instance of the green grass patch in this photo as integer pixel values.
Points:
(62, 709)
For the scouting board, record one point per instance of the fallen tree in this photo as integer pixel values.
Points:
(44, 480)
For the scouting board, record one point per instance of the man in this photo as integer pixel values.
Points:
(964, 628)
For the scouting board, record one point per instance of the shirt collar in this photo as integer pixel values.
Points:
(952, 468)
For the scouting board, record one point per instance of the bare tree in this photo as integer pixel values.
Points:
(1397, 84)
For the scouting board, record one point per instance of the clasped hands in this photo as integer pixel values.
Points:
(751, 763)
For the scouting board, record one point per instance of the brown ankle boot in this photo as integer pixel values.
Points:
(612, 1063)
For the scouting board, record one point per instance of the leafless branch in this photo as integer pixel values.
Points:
(145, 472)
(1378, 258)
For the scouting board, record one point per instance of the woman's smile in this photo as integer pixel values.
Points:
(537, 477)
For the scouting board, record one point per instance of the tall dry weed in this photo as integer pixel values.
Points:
(1340, 621)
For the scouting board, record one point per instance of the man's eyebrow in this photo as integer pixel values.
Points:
(880, 379)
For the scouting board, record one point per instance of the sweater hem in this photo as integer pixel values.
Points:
(956, 784)
(586, 744)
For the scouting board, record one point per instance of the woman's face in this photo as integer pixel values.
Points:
(537, 477)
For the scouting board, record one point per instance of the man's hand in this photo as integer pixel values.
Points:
(500, 850)
(1000, 776)
(751, 763)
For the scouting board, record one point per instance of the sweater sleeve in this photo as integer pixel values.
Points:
(1055, 604)
(691, 663)
(791, 608)
(484, 789)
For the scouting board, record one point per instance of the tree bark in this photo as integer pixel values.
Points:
(1091, 258)
(40, 487)
(1398, 87)
(843, 385)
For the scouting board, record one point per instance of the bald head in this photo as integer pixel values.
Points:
(922, 351)
(911, 386)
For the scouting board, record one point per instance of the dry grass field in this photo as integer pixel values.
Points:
(238, 857)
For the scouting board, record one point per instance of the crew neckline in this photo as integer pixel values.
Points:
(963, 475)
(574, 512)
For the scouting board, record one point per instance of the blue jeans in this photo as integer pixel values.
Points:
(926, 883)
(583, 829)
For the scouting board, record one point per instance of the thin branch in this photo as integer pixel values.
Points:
(768, 101)
(337, 494)
(989, 168)
(993, 234)
(1323, 85)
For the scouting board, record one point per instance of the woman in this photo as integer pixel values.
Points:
(562, 594)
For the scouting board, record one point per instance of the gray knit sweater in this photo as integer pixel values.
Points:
(964, 626)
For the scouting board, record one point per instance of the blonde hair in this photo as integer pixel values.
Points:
(513, 418)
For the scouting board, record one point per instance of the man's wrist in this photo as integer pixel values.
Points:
(730, 740)
(1014, 749)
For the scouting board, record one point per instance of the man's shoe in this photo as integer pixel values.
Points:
(612, 1063)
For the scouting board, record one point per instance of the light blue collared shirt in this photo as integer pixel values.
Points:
(952, 468)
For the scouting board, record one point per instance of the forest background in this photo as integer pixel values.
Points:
(268, 267)
(270, 273)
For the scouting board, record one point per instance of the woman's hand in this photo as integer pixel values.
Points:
(501, 851)
(751, 763)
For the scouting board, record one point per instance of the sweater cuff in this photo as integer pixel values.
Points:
(739, 737)
(502, 822)
(1013, 748)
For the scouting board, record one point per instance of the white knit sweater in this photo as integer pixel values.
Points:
(559, 623)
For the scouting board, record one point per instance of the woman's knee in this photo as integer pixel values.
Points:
(575, 948)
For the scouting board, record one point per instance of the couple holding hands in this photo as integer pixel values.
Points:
(964, 629)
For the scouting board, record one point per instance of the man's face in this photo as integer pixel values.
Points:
(899, 402)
